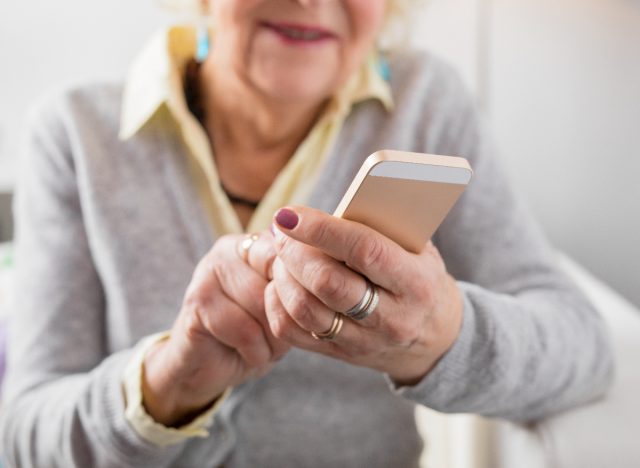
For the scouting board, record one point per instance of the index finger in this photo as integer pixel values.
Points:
(363, 249)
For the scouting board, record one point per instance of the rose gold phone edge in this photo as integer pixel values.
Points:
(419, 225)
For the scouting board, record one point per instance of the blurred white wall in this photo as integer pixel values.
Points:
(559, 79)
(44, 44)
(564, 99)
(453, 29)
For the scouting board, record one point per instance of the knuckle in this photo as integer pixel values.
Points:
(192, 321)
(248, 335)
(203, 268)
(402, 333)
(368, 253)
(196, 297)
(423, 294)
(299, 307)
(192, 324)
(327, 282)
(416, 290)
(219, 269)
(249, 345)
(194, 282)
(321, 233)
(209, 263)
(279, 326)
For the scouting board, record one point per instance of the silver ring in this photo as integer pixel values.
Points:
(367, 304)
(360, 306)
(371, 306)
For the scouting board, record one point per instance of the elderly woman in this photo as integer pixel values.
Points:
(150, 331)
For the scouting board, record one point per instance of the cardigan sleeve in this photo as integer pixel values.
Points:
(63, 401)
(530, 343)
(143, 422)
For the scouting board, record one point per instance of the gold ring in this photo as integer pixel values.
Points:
(245, 246)
(332, 332)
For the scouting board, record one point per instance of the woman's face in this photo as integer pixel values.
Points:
(295, 49)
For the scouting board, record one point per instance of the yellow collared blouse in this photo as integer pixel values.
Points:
(156, 82)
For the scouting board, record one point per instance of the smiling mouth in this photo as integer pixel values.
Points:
(299, 34)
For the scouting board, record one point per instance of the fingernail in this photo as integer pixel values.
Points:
(287, 218)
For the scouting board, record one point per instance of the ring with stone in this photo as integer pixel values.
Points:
(245, 246)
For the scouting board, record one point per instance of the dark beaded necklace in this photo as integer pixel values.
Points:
(239, 200)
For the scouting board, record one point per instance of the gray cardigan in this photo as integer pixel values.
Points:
(109, 232)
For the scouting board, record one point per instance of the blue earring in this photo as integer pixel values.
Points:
(202, 44)
(383, 67)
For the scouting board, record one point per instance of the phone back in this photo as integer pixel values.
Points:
(405, 196)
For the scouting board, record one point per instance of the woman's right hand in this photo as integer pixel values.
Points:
(221, 336)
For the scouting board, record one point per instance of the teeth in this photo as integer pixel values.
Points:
(298, 34)
(311, 35)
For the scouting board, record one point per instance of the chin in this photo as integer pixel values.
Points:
(288, 84)
(298, 94)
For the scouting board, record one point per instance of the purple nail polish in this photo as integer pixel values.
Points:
(287, 218)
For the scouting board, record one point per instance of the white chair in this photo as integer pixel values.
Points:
(602, 434)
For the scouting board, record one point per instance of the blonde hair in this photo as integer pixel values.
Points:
(397, 26)
(399, 8)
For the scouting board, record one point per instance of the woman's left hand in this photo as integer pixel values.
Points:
(320, 269)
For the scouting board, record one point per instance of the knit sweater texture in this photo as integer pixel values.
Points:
(108, 234)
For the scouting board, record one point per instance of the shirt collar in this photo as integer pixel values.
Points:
(155, 79)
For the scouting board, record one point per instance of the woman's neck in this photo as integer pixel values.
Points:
(252, 136)
(241, 117)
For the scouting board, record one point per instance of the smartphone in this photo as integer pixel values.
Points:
(405, 196)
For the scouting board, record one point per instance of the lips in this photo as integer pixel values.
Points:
(298, 33)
